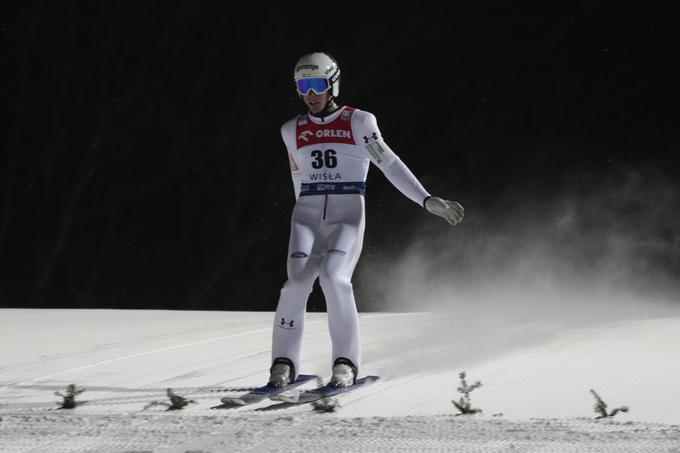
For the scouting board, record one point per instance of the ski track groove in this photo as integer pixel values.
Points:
(136, 355)
(380, 386)
(163, 372)
(195, 365)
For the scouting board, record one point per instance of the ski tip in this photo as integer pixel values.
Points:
(367, 379)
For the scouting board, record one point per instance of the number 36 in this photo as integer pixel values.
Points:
(324, 158)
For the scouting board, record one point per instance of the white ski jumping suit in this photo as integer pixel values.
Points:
(329, 159)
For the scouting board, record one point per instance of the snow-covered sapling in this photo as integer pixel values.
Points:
(464, 404)
(69, 398)
(601, 407)
(326, 403)
(176, 402)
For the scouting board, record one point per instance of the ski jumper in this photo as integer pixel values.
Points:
(329, 159)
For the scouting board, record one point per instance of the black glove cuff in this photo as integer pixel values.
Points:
(425, 200)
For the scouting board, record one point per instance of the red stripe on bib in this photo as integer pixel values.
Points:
(339, 130)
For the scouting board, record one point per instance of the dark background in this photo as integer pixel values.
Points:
(142, 165)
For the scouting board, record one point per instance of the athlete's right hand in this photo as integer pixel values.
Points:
(451, 211)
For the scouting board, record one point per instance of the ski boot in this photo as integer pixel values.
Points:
(344, 373)
(281, 373)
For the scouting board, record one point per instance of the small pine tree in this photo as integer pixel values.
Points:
(69, 398)
(326, 403)
(464, 405)
(176, 402)
(601, 407)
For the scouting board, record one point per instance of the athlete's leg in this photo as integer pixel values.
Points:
(303, 269)
(344, 243)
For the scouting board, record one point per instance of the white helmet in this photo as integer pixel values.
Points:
(317, 71)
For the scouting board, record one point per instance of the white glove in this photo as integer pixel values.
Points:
(451, 211)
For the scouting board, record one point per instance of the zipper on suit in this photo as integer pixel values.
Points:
(325, 203)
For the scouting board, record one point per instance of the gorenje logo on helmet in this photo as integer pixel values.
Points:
(313, 67)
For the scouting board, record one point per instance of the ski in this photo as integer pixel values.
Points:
(308, 396)
(260, 394)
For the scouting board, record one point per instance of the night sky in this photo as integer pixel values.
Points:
(142, 164)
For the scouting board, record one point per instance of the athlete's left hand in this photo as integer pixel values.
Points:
(451, 211)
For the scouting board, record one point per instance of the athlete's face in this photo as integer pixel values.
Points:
(316, 102)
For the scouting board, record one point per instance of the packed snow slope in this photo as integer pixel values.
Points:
(528, 368)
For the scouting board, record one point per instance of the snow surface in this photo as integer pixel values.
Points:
(536, 376)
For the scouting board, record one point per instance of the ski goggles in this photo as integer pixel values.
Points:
(317, 84)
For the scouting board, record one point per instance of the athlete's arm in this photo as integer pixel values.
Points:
(288, 135)
(388, 162)
(401, 177)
